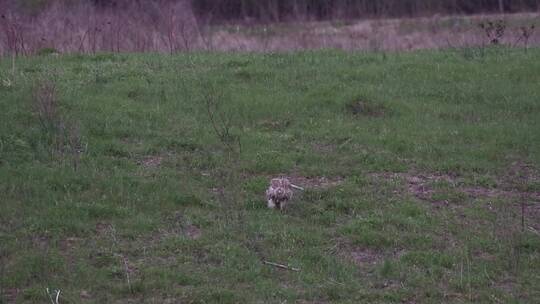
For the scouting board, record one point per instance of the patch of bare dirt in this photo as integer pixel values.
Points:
(479, 192)
(531, 211)
(518, 175)
(511, 187)
(507, 285)
(365, 256)
(102, 228)
(366, 108)
(177, 225)
(10, 295)
(41, 241)
(421, 185)
(324, 148)
(84, 294)
(193, 232)
(273, 125)
(316, 182)
(69, 243)
(152, 161)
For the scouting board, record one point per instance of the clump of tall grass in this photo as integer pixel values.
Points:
(62, 137)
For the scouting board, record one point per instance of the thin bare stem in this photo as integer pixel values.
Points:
(281, 266)
(126, 268)
(13, 65)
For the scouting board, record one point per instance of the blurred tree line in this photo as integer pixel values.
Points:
(291, 10)
(285, 10)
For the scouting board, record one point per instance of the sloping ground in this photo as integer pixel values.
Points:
(141, 178)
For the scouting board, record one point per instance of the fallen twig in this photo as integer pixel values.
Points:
(281, 266)
(345, 143)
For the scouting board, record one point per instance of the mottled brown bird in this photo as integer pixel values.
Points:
(280, 192)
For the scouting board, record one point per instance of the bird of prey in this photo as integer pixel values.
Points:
(280, 192)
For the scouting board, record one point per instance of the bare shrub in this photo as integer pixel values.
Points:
(228, 171)
(493, 30)
(221, 122)
(524, 34)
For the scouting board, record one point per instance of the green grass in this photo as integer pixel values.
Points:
(132, 180)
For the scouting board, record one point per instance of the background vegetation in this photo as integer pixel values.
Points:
(281, 10)
(36, 27)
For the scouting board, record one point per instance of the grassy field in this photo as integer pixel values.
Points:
(141, 178)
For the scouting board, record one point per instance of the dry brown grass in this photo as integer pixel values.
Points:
(173, 27)
(83, 28)
(378, 34)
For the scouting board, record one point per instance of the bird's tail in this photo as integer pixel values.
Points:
(297, 187)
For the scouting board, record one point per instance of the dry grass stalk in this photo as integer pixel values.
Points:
(281, 266)
(46, 104)
(64, 137)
